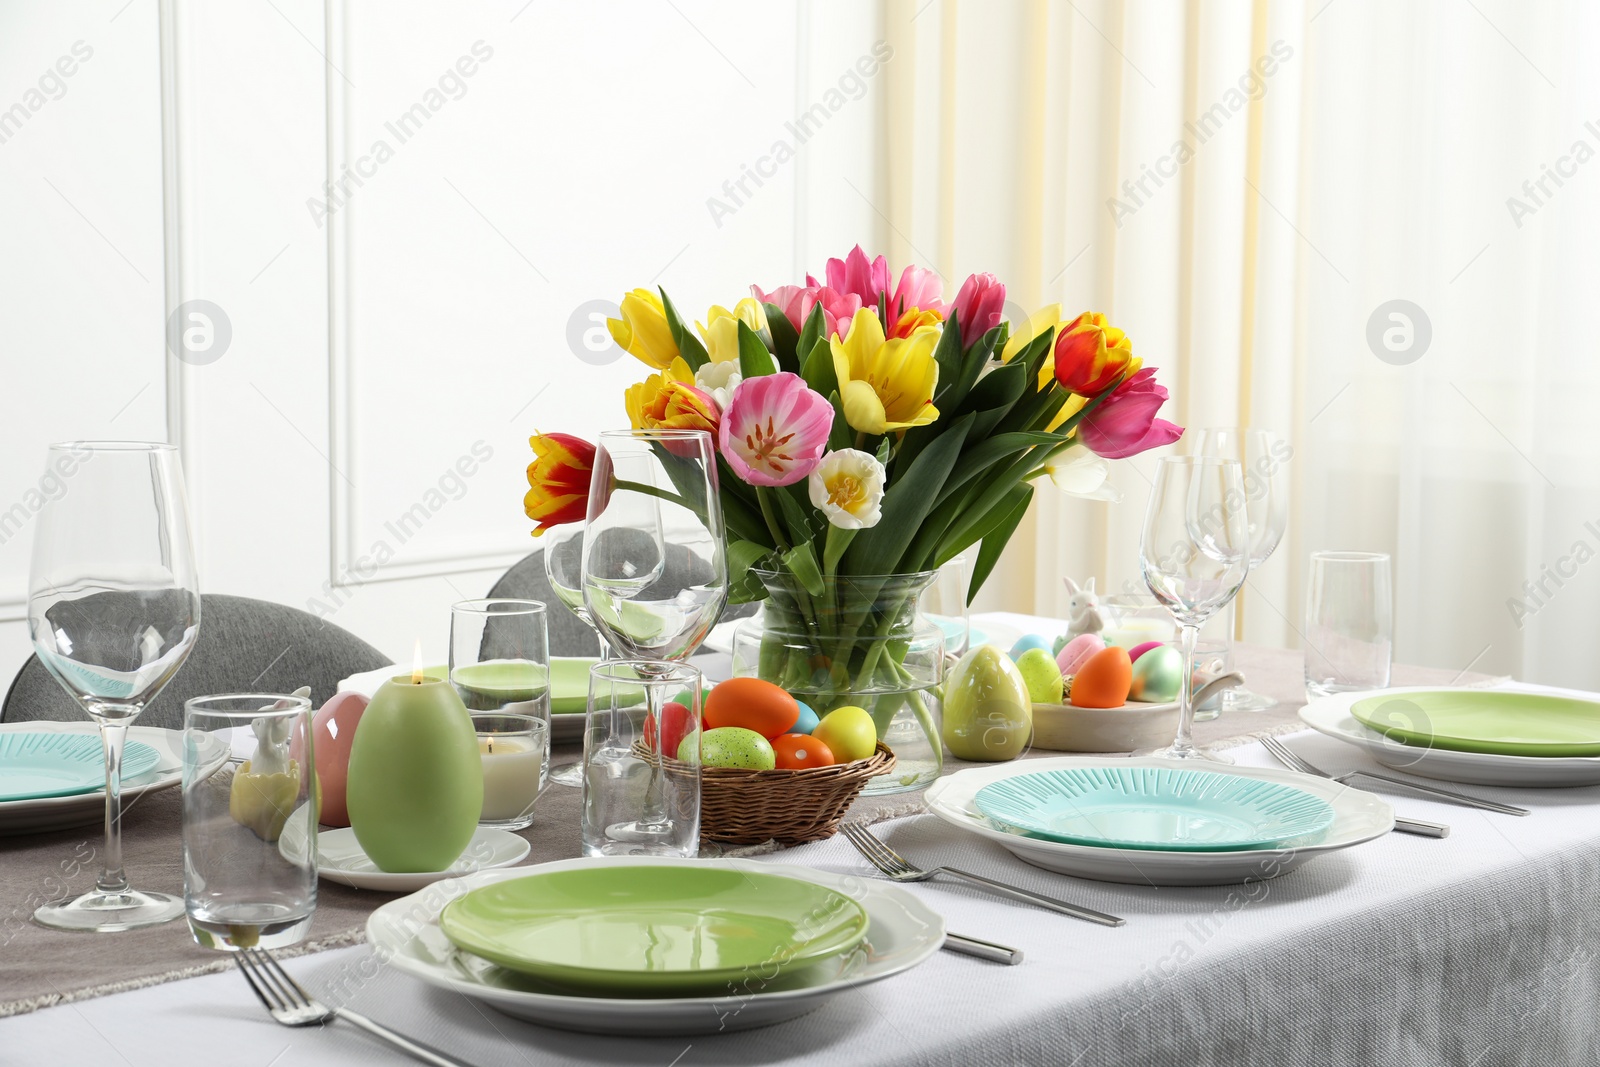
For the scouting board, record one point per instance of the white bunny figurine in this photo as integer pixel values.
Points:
(1083, 610)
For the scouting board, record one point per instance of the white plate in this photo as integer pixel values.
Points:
(340, 858)
(1357, 817)
(1331, 716)
(903, 932)
(83, 809)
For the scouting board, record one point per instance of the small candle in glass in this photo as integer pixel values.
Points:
(512, 748)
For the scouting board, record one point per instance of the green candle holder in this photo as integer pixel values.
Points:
(415, 784)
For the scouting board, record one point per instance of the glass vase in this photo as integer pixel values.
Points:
(855, 640)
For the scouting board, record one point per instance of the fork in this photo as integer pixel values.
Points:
(291, 1005)
(897, 869)
(1283, 755)
(1299, 762)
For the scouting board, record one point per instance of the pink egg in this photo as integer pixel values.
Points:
(1075, 653)
(333, 727)
(1138, 650)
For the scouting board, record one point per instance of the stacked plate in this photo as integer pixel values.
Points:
(1155, 822)
(1481, 736)
(647, 945)
(52, 774)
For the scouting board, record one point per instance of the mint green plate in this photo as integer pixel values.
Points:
(569, 684)
(33, 766)
(1176, 810)
(1482, 720)
(663, 930)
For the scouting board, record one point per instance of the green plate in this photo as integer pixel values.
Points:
(569, 684)
(36, 765)
(1482, 720)
(660, 930)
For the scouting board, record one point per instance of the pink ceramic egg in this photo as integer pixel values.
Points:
(1138, 650)
(333, 728)
(1076, 653)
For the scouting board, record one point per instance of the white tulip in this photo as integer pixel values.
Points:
(847, 486)
(1081, 473)
(718, 380)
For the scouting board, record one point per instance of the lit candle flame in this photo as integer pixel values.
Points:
(417, 677)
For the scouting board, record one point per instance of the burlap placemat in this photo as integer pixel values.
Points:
(40, 967)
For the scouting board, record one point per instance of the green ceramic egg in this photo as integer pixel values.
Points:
(988, 715)
(1157, 675)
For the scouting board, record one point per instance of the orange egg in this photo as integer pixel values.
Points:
(753, 704)
(795, 752)
(1103, 681)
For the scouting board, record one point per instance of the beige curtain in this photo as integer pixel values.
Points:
(1246, 186)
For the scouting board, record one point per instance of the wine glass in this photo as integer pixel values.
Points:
(1194, 554)
(113, 609)
(655, 573)
(563, 569)
(1264, 456)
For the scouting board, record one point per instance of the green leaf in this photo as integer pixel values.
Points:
(796, 515)
(994, 542)
(743, 586)
(811, 331)
(689, 346)
(906, 504)
(817, 370)
(972, 365)
(839, 432)
(884, 448)
(783, 338)
(978, 459)
(1000, 388)
(951, 546)
(947, 354)
(802, 563)
(754, 359)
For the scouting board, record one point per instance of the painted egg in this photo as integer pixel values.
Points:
(1041, 675)
(677, 722)
(752, 704)
(1104, 681)
(1075, 653)
(808, 719)
(732, 746)
(796, 752)
(333, 728)
(1138, 650)
(849, 733)
(987, 713)
(1025, 642)
(1157, 675)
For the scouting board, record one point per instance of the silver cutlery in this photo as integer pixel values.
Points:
(291, 1005)
(1420, 827)
(983, 950)
(1299, 762)
(896, 868)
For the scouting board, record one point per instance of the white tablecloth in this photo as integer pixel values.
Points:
(1478, 949)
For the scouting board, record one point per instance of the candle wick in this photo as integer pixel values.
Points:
(491, 746)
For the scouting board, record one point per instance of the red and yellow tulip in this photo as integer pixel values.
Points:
(558, 480)
(670, 401)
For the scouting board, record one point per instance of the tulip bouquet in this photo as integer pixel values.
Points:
(868, 428)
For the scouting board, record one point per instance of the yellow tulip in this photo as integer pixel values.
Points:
(670, 401)
(1046, 318)
(721, 329)
(885, 384)
(643, 329)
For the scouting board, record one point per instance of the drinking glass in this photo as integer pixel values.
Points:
(500, 662)
(945, 604)
(250, 836)
(563, 569)
(113, 610)
(637, 800)
(1349, 634)
(1265, 458)
(1194, 554)
(515, 750)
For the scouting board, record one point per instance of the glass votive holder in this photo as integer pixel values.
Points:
(513, 749)
(1131, 619)
(250, 830)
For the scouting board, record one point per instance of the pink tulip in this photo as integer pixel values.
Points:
(838, 309)
(919, 288)
(775, 429)
(855, 275)
(979, 306)
(1125, 423)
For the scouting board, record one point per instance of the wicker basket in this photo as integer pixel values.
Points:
(740, 807)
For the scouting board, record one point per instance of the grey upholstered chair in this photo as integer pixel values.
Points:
(569, 635)
(244, 645)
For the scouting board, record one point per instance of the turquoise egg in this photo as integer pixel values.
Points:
(1157, 675)
(808, 719)
(1026, 642)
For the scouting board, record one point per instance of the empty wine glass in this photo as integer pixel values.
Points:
(655, 573)
(1264, 456)
(563, 569)
(1194, 554)
(113, 610)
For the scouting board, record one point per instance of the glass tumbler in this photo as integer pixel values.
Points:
(500, 662)
(641, 781)
(1349, 634)
(249, 830)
